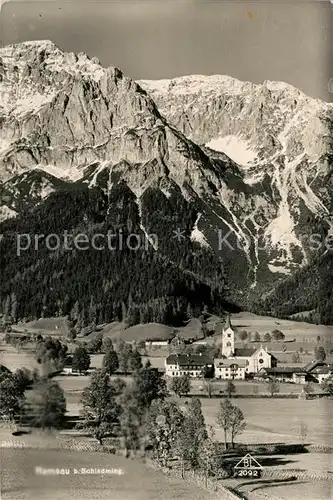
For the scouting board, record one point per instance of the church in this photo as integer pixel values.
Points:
(237, 363)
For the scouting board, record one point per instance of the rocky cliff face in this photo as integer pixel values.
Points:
(278, 136)
(255, 161)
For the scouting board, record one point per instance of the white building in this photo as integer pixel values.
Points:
(230, 369)
(157, 342)
(193, 365)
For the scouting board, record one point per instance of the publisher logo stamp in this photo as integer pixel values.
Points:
(248, 467)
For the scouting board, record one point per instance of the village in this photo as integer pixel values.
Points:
(275, 374)
(194, 359)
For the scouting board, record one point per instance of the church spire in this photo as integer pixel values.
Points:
(228, 322)
(228, 339)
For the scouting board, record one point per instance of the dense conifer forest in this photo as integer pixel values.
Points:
(167, 284)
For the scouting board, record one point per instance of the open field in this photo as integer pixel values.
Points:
(292, 329)
(19, 480)
(45, 326)
(13, 359)
(278, 420)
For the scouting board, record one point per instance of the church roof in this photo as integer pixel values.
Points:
(244, 352)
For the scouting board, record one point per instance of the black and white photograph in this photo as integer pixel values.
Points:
(166, 249)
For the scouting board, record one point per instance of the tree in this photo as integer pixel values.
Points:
(107, 344)
(194, 430)
(50, 351)
(267, 337)
(223, 418)
(4, 373)
(296, 358)
(22, 378)
(135, 361)
(257, 337)
(181, 385)
(110, 361)
(124, 352)
(11, 400)
(318, 339)
(100, 410)
(96, 344)
(81, 359)
(327, 385)
(237, 423)
(320, 353)
(48, 405)
(165, 427)
(149, 384)
(141, 344)
(208, 456)
(273, 387)
(243, 335)
(209, 387)
(277, 335)
(231, 388)
(284, 347)
(131, 419)
(119, 385)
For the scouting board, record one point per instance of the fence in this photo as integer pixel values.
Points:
(197, 479)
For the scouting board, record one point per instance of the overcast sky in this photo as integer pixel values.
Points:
(290, 40)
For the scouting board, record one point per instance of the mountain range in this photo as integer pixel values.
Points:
(234, 180)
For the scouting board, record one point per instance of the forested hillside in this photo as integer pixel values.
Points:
(96, 286)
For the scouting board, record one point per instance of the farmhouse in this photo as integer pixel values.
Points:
(194, 365)
(174, 340)
(284, 374)
(68, 368)
(157, 342)
(318, 371)
(254, 359)
(230, 369)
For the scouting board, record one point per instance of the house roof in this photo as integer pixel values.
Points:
(226, 363)
(188, 359)
(283, 369)
(159, 339)
(314, 364)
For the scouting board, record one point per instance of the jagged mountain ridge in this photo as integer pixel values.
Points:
(65, 115)
(277, 135)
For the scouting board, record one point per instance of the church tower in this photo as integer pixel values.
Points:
(228, 339)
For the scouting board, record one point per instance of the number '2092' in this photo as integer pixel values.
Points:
(248, 473)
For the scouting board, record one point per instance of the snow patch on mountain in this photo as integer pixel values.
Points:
(197, 235)
(238, 149)
(150, 238)
(278, 269)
